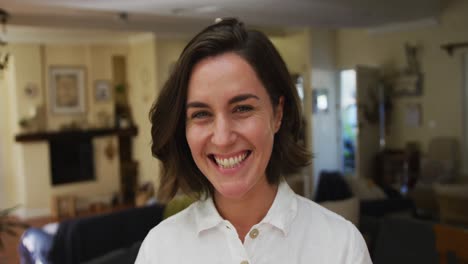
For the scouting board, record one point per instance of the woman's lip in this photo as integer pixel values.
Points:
(233, 169)
(230, 155)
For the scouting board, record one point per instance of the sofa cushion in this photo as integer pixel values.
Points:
(405, 240)
(81, 240)
(119, 256)
(348, 208)
(332, 187)
(365, 189)
(34, 246)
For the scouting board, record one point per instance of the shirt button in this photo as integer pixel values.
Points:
(244, 262)
(254, 233)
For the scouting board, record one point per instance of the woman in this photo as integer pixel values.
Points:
(225, 127)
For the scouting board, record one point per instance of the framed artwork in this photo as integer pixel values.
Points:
(320, 101)
(413, 115)
(408, 85)
(67, 90)
(102, 91)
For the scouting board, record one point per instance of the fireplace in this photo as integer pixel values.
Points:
(74, 156)
(71, 160)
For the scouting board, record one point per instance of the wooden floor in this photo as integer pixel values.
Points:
(10, 254)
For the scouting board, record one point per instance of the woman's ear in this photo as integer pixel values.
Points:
(279, 113)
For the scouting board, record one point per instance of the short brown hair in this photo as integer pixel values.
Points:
(168, 114)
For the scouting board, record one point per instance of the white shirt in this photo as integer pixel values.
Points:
(295, 230)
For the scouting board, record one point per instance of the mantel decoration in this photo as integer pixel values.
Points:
(67, 91)
(410, 81)
(102, 91)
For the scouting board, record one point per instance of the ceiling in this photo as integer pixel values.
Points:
(187, 16)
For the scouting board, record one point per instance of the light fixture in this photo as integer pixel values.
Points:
(4, 16)
(207, 9)
(123, 17)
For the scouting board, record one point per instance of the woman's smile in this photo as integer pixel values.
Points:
(225, 162)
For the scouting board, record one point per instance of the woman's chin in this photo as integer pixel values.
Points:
(232, 191)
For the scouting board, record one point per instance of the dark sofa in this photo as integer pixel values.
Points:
(332, 186)
(96, 239)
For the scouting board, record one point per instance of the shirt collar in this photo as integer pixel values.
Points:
(206, 215)
(283, 210)
(280, 215)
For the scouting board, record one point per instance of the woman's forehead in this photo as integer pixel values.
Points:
(223, 74)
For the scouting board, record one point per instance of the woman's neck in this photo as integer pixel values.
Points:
(248, 210)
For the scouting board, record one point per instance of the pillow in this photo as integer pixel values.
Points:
(437, 171)
(365, 189)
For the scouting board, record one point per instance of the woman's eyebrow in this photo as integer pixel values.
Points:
(235, 99)
(196, 105)
(242, 97)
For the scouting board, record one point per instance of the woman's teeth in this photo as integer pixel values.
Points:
(230, 162)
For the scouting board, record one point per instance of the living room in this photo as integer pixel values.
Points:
(25, 176)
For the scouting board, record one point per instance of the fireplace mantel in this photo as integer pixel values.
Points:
(74, 134)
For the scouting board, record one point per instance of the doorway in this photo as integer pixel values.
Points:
(359, 133)
(348, 121)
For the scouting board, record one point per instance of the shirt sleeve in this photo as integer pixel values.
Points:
(145, 255)
(141, 257)
(361, 253)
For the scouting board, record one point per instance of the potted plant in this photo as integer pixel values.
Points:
(9, 224)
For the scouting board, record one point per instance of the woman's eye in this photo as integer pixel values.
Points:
(243, 108)
(200, 115)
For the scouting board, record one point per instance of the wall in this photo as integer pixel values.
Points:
(294, 48)
(3, 202)
(142, 72)
(28, 178)
(441, 98)
(168, 51)
(25, 69)
(5, 142)
(324, 76)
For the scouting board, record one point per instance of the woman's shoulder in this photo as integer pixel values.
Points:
(168, 233)
(316, 216)
(316, 223)
(176, 222)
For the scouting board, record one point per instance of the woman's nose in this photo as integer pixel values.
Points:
(223, 133)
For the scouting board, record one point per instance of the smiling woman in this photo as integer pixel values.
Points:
(231, 125)
(226, 127)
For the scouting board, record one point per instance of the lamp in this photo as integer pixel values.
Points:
(3, 56)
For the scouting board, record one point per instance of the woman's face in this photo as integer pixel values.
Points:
(230, 124)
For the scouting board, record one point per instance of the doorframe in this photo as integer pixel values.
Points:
(464, 103)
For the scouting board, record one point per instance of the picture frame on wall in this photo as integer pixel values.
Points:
(67, 89)
(408, 84)
(320, 102)
(102, 90)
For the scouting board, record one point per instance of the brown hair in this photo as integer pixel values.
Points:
(168, 114)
